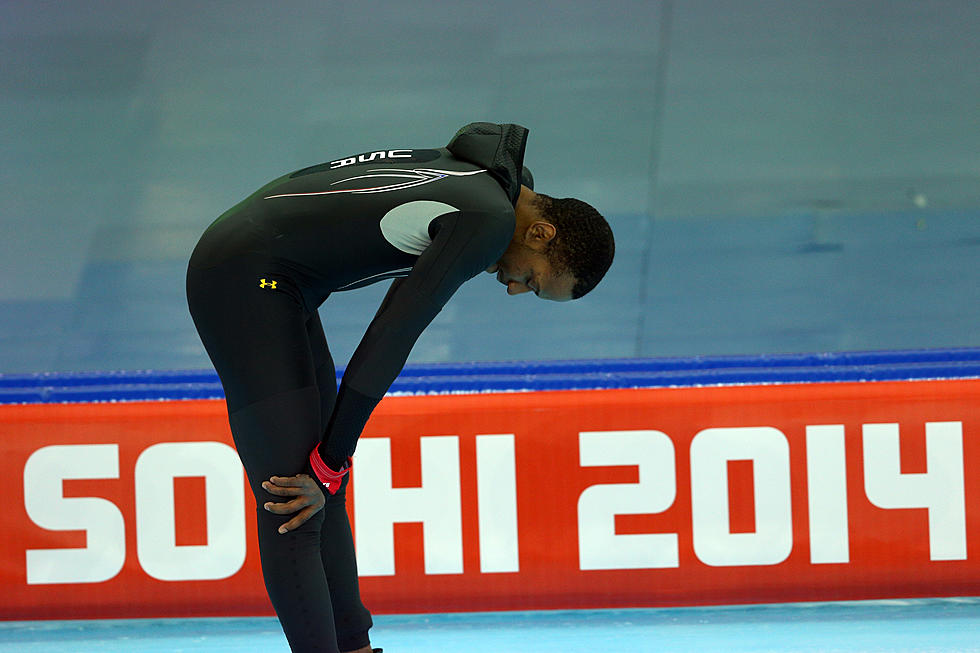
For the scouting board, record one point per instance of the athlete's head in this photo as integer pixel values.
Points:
(561, 248)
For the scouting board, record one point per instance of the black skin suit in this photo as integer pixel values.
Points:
(432, 219)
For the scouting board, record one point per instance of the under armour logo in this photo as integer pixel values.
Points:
(271, 285)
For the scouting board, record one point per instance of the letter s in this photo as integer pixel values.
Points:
(105, 550)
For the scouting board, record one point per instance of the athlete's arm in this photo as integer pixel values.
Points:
(463, 245)
(392, 289)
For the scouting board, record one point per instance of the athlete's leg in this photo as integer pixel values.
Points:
(325, 372)
(351, 618)
(291, 566)
(256, 338)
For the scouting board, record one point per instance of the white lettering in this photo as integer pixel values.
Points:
(826, 473)
(599, 545)
(714, 543)
(496, 489)
(159, 554)
(105, 548)
(371, 156)
(437, 504)
(940, 490)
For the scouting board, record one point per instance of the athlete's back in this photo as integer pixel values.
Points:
(363, 218)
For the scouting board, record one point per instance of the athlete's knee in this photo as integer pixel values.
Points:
(268, 524)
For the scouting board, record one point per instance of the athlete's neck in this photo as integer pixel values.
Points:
(526, 209)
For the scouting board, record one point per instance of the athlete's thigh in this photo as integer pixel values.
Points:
(326, 374)
(256, 336)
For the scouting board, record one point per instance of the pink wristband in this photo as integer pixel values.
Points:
(330, 479)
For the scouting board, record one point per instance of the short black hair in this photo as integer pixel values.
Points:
(583, 245)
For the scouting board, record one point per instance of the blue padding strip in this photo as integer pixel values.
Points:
(516, 376)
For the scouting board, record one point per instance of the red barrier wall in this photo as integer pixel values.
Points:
(571, 499)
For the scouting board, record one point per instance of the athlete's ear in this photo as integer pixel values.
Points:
(540, 232)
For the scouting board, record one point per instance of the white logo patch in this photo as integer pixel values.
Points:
(407, 225)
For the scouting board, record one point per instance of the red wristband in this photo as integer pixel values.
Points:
(330, 479)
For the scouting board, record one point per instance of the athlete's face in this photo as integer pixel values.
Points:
(524, 269)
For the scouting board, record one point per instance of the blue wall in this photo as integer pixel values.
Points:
(781, 176)
(521, 376)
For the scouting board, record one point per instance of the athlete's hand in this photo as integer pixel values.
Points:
(307, 498)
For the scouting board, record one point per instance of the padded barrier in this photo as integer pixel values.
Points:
(512, 376)
(493, 486)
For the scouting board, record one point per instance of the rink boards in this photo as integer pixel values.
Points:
(511, 486)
